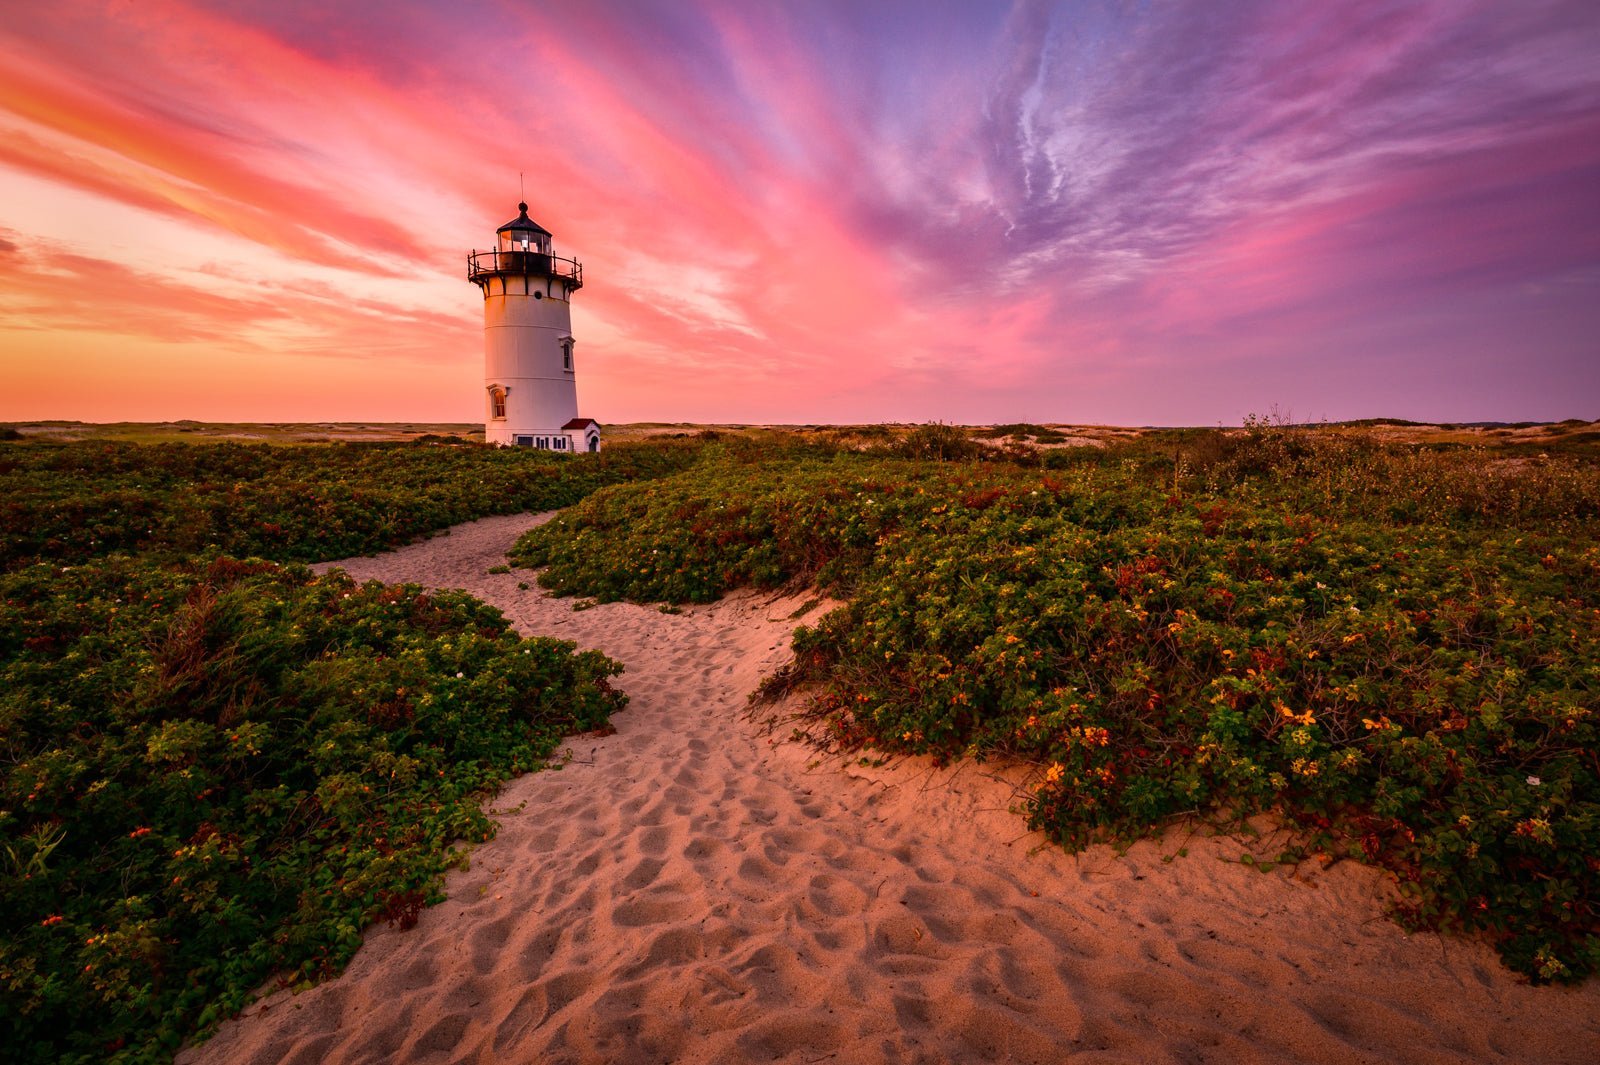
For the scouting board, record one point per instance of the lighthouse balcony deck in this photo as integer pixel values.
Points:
(496, 263)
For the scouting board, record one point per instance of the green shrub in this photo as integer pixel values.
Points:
(72, 502)
(1042, 434)
(1409, 675)
(935, 442)
(212, 773)
(690, 539)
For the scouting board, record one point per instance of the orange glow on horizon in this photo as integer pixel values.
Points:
(799, 215)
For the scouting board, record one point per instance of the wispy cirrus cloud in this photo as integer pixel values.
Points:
(1093, 211)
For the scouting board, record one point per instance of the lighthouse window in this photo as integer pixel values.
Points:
(566, 352)
(497, 402)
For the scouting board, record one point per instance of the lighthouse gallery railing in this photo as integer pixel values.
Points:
(524, 263)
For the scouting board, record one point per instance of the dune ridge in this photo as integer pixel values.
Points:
(696, 888)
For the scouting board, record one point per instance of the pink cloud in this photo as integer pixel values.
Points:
(802, 213)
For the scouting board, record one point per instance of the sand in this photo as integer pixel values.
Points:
(695, 888)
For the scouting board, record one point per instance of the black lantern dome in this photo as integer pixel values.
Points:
(523, 253)
(524, 234)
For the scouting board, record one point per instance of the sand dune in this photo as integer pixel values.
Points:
(693, 889)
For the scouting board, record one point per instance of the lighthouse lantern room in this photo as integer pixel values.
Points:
(530, 370)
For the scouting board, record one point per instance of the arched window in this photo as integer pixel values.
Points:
(497, 402)
(567, 344)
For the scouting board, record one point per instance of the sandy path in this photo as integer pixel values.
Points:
(687, 891)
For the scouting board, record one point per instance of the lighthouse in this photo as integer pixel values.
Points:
(529, 369)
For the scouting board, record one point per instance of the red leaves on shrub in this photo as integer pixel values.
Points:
(402, 908)
(983, 499)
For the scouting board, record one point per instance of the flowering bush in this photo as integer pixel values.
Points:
(1412, 682)
(214, 772)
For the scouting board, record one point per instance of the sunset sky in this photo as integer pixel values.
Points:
(807, 211)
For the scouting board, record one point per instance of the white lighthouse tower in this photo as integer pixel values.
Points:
(529, 372)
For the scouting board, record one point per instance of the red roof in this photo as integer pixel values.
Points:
(581, 423)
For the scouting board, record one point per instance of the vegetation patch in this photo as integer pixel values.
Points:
(219, 772)
(76, 501)
(215, 771)
(1022, 431)
(1396, 649)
